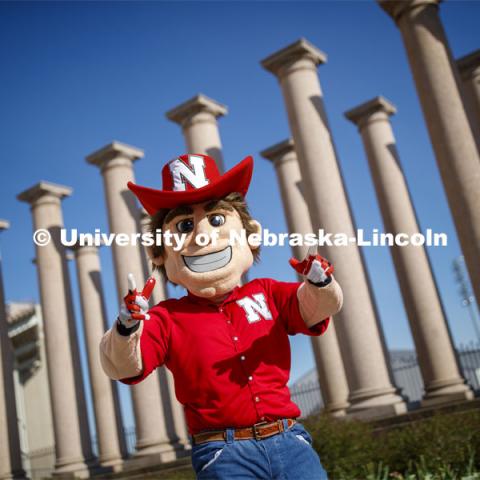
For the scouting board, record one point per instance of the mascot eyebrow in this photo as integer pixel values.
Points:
(176, 212)
(219, 205)
(187, 210)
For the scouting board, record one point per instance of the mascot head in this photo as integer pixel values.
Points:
(200, 203)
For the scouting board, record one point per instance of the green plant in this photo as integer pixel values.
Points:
(377, 472)
(442, 447)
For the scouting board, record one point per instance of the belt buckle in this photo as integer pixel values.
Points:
(256, 435)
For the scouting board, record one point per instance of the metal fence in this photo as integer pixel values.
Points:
(130, 439)
(408, 379)
(470, 362)
(307, 397)
(406, 375)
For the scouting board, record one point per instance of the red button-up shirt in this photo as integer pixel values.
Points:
(230, 361)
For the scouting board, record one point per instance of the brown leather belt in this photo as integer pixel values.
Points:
(259, 431)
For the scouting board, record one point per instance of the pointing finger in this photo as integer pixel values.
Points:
(132, 286)
(148, 288)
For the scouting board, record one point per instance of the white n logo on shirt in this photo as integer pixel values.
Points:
(254, 307)
(182, 173)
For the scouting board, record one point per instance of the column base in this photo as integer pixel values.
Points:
(375, 403)
(442, 399)
(373, 398)
(71, 471)
(376, 413)
(71, 468)
(337, 409)
(144, 460)
(113, 464)
(165, 451)
(75, 472)
(17, 475)
(183, 445)
(337, 413)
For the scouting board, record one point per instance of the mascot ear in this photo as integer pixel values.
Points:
(157, 261)
(257, 229)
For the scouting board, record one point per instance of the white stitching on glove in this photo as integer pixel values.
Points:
(317, 273)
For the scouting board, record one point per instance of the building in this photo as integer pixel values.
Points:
(25, 330)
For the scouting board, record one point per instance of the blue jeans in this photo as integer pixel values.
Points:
(287, 455)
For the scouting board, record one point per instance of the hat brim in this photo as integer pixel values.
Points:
(237, 179)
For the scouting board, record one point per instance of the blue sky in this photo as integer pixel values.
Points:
(76, 75)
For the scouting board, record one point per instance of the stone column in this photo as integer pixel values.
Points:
(174, 414)
(371, 390)
(116, 165)
(198, 119)
(438, 364)
(45, 201)
(330, 369)
(111, 444)
(10, 453)
(437, 83)
(469, 68)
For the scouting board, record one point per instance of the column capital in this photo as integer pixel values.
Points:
(396, 8)
(112, 151)
(198, 104)
(42, 189)
(375, 109)
(4, 225)
(279, 152)
(300, 50)
(469, 65)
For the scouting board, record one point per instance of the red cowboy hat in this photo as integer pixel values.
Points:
(193, 178)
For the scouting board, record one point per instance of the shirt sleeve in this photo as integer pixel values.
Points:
(284, 296)
(154, 342)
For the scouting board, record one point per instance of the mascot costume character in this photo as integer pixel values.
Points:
(225, 342)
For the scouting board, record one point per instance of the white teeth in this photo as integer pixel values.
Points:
(209, 262)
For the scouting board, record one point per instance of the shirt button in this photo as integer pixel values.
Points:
(229, 321)
(242, 357)
(257, 399)
(262, 418)
(250, 378)
(221, 309)
(235, 339)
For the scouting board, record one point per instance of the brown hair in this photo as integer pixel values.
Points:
(233, 201)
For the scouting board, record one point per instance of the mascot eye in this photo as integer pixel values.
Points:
(185, 226)
(216, 220)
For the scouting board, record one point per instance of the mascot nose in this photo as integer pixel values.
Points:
(203, 232)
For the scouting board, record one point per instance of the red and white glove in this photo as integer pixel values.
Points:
(135, 306)
(316, 269)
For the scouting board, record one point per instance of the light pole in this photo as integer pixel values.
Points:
(468, 300)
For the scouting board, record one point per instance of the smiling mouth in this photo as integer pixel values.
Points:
(209, 262)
